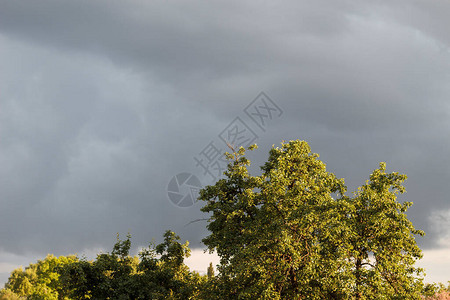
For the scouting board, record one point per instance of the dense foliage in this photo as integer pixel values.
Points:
(38, 281)
(283, 235)
(289, 233)
(157, 273)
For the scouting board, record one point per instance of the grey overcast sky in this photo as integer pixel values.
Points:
(103, 102)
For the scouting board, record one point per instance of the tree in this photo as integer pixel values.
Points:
(6, 294)
(282, 235)
(168, 277)
(436, 291)
(110, 276)
(383, 245)
(278, 235)
(117, 275)
(38, 281)
(210, 271)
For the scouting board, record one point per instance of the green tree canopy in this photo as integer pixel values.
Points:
(282, 235)
(383, 243)
(117, 275)
(39, 280)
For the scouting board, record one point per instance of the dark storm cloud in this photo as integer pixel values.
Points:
(104, 101)
(188, 45)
